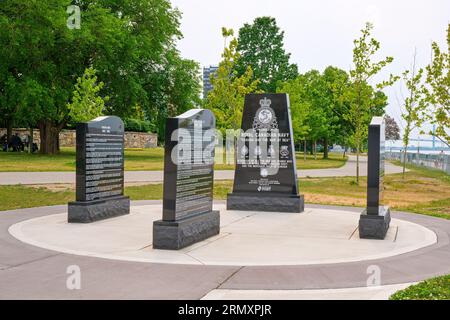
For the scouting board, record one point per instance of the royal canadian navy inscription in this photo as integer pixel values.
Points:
(265, 177)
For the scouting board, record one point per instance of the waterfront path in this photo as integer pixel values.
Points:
(32, 178)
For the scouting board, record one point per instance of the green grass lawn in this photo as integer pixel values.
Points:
(17, 197)
(423, 191)
(135, 160)
(432, 289)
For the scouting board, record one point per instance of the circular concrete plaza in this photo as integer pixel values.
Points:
(315, 254)
(246, 238)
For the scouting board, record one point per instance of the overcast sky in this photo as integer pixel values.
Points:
(320, 33)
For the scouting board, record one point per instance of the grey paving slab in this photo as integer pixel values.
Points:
(26, 178)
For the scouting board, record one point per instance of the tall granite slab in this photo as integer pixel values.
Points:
(265, 177)
(188, 216)
(375, 219)
(99, 171)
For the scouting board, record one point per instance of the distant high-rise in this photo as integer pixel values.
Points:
(207, 86)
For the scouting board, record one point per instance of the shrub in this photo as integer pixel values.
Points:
(433, 289)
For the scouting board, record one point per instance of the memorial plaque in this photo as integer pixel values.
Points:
(99, 171)
(265, 178)
(374, 221)
(188, 182)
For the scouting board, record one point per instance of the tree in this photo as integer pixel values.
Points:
(300, 108)
(317, 106)
(392, 129)
(226, 99)
(319, 100)
(27, 44)
(143, 51)
(86, 103)
(131, 44)
(10, 95)
(175, 88)
(32, 96)
(317, 117)
(261, 47)
(360, 94)
(335, 82)
(414, 105)
(438, 78)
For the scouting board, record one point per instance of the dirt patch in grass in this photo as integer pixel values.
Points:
(333, 200)
(53, 187)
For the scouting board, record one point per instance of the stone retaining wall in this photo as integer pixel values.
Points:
(67, 138)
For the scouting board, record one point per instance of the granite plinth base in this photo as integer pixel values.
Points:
(175, 235)
(90, 211)
(374, 226)
(244, 202)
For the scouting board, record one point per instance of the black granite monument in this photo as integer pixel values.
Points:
(188, 182)
(374, 221)
(99, 176)
(265, 178)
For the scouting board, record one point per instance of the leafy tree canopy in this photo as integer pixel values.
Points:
(261, 47)
(130, 43)
(226, 99)
(361, 94)
(438, 79)
(86, 103)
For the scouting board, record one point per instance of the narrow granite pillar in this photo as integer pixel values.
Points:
(375, 219)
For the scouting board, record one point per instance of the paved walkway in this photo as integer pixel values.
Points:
(28, 272)
(349, 169)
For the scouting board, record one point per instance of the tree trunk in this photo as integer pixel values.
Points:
(315, 149)
(49, 137)
(357, 164)
(8, 133)
(325, 148)
(304, 150)
(404, 161)
(30, 141)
